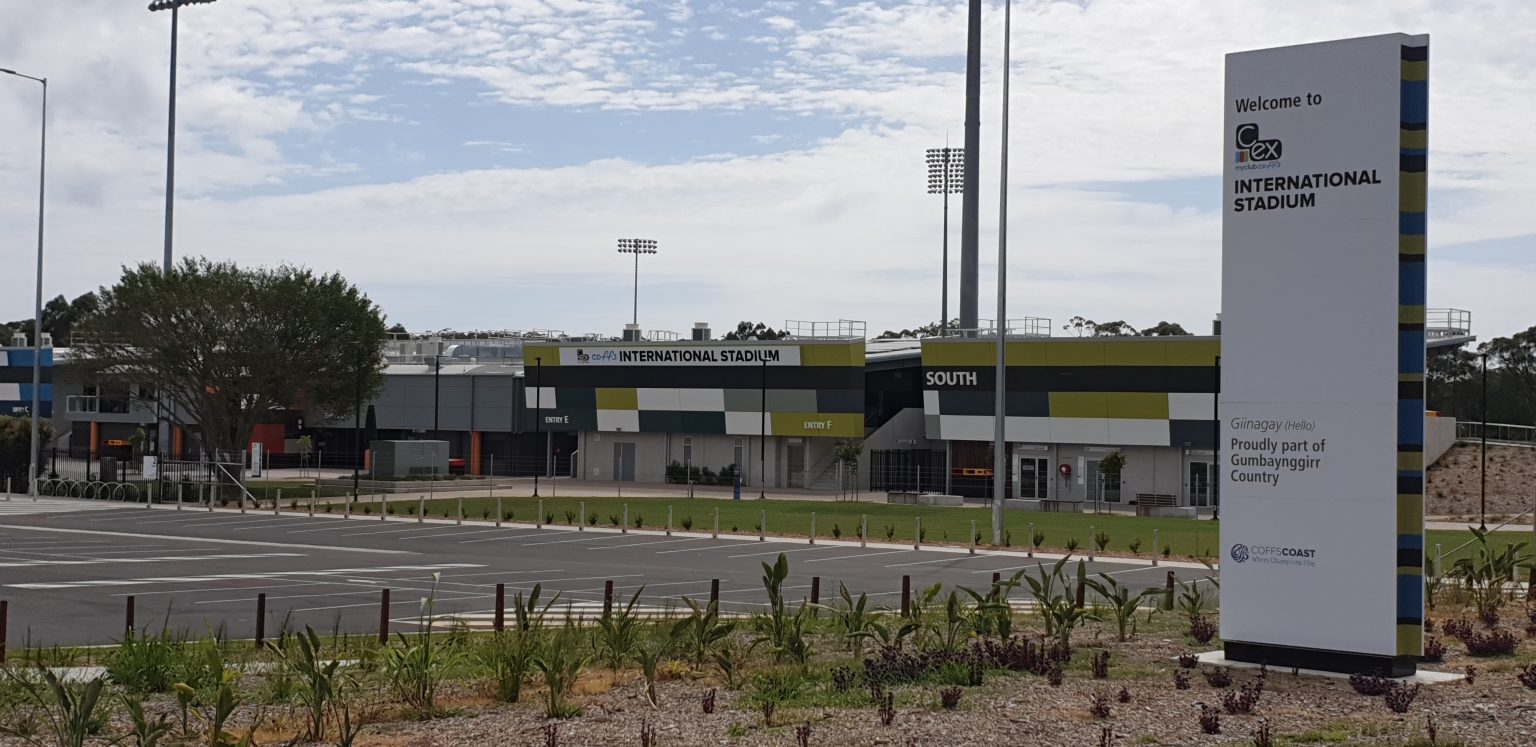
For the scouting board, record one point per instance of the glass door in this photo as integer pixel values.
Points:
(1201, 487)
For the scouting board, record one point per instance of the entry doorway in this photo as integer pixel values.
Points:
(1101, 487)
(794, 462)
(1202, 489)
(1034, 478)
(623, 462)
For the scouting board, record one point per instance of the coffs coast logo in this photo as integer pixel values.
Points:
(607, 355)
(1251, 148)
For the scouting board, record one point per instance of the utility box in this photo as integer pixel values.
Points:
(409, 458)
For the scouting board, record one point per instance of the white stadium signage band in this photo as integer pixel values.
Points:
(786, 355)
(1324, 187)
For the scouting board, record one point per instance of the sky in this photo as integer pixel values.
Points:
(470, 163)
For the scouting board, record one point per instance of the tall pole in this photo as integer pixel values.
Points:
(357, 421)
(538, 417)
(637, 247)
(762, 437)
(37, 304)
(1000, 400)
(170, 146)
(1214, 481)
(944, 274)
(634, 317)
(970, 215)
(437, 388)
(1482, 501)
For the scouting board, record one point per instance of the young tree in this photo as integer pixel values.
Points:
(15, 439)
(748, 329)
(227, 344)
(1165, 329)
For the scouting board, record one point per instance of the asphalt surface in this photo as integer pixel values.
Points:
(68, 568)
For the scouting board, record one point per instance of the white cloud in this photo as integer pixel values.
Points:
(1111, 91)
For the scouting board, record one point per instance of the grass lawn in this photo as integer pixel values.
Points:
(1184, 537)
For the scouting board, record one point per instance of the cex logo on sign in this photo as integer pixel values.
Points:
(1251, 147)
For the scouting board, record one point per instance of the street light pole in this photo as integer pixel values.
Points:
(538, 418)
(1000, 398)
(946, 174)
(762, 437)
(174, 6)
(37, 307)
(357, 422)
(437, 389)
(637, 247)
(1482, 501)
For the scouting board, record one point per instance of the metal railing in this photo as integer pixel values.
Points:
(1506, 433)
(842, 329)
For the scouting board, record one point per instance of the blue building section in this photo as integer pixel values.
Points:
(16, 382)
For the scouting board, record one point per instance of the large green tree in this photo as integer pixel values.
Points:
(227, 344)
(15, 442)
(59, 319)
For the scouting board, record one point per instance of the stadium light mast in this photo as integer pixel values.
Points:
(946, 176)
(37, 311)
(637, 247)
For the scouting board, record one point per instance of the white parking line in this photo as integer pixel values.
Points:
(643, 544)
(228, 576)
(396, 530)
(286, 521)
(861, 555)
(456, 533)
(953, 559)
(735, 546)
(159, 559)
(171, 538)
(776, 552)
(516, 536)
(340, 524)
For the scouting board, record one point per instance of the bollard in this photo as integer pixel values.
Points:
(669, 521)
(624, 527)
(1439, 569)
(716, 533)
(1091, 542)
(973, 536)
(714, 591)
(383, 506)
(7, 490)
(1030, 551)
(813, 527)
(178, 498)
(384, 616)
(242, 504)
(917, 534)
(499, 514)
(539, 520)
(1168, 593)
(128, 624)
(5, 625)
(276, 501)
(762, 525)
(1154, 547)
(906, 596)
(607, 598)
(501, 607)
(997, 578)
(460, 520)
(581, 518)
(863, 529)
(421, 509)
(311, 504)
(261, 620)
(815, 589)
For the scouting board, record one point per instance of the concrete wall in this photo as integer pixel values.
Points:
(1439, 437)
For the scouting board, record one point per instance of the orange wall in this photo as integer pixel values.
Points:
(270, 436)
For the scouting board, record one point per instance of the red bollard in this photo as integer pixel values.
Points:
(815, 589)
(714, 590)
(607, 598)
(501, 607)
(129, 622)
(906, 596)
(5, 625)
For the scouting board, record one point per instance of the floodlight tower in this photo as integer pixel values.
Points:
(946, 176)
(33, 468)
(637, 247)
(174, 6)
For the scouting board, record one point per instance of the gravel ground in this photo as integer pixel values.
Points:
(1455, 481)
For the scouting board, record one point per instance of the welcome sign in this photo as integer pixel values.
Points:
(692, 355)
(1322, 379)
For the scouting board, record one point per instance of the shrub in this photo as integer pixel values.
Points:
(1180, 680)
(507, 516)
(570, 517)
(890, 532)
(708, 701)
(1459, 628)
(1037, 539)
(1210, 720)
(1399, 697)
(639, 521)
(887, 709)
(1434, 650)
(949, 698)
(687, 523)
(1098, 705)
(837, 531)
(803, 735)
(1101, 540)
(1135, 546)
(1071, 544)
(1242, 700)
(1217, 676)
(1124, 696)
(1188, 661)
(1369, 685)
(592, 519)
(613, 519)
(1263, 737)
(1167, 551)
(1527, 676)
(1201, 629)
(1496, 643)
(1100, 665)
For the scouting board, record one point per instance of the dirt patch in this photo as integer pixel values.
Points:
(1454, 483)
